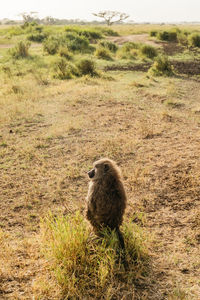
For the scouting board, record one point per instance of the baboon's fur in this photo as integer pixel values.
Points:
(106, 199)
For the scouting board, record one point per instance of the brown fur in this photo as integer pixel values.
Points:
(106, 199)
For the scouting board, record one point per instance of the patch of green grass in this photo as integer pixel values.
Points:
(84, 264)
(161, 67)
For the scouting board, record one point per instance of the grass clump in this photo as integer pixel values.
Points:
(108, 45)
(21, 50)
(62, 69)
(90, 33)
(51, 45)
(84, 264)
(77, 43)
(194, 40)
(103, 53)
(153, 33)
(170, 36)
(64, 52)
(129, 50)
(161, 67)
(38, 37)
(107, 31)
(148, 51)
(86, 67)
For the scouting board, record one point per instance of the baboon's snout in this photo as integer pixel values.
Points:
(91, 173)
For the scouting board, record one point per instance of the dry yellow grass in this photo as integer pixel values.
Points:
(49, 137)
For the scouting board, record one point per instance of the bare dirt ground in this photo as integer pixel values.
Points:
(137, 38)
(49, 139)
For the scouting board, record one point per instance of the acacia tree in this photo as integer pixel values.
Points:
(111, 16)
(29, 17)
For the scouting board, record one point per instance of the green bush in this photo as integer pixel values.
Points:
(64, 52)
(37, 37)
(89, 33)
(63, 69)
(170, 36)
(20, 50)
(77, 43)
(148, 51)
(108, 45)
(129, 50)
(107, 31)
(103, 53)
(129, 46)
(182, 39)
(14, 30)
(153, 33)
(84, 264)
(51, 45)
(194, 39)
(161, 67)
(86, 67)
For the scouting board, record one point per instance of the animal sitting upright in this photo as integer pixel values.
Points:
(106, 199)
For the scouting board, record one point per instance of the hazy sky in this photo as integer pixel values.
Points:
(139, 11)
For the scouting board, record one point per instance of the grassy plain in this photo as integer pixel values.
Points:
(52, 130)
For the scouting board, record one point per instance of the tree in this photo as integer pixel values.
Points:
(111, 16)
(29, 17)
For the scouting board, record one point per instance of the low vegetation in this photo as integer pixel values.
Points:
(21, 50)
(161, 67)
(87, 265)
(69, 96)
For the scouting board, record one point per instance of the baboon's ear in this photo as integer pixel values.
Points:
(106, 167)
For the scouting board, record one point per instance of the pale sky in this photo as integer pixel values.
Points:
(139, 11)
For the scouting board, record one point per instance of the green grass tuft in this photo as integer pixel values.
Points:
(84, 264)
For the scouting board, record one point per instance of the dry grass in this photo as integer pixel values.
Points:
(49, 136)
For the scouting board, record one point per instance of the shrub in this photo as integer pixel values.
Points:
(83, 264)
(170, 36)
(148, 51)
(194, 40)
(91, 34)
(20, 50)
(129, 50)
(129, 46)
(77, 43)
(14, 30)
(103, 53)
(161, 67)
(64, 52)
(107, 31)
(108, 45)
(51, 45)
(86, 67)
(153, 33)
(64, 70)
(37, 37)
(182, 39)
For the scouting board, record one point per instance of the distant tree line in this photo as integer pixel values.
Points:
(107, 16)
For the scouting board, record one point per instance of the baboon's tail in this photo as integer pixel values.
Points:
(121, 238)
(122, 245)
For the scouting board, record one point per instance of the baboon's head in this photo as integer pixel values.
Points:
(103, 168)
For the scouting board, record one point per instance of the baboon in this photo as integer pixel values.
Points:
(106, 199)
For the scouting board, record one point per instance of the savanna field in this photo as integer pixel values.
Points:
(73, 94)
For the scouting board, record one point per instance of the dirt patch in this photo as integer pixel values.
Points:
(171, 48)
(128, 67)
(137, 38)
(7, 46)
(189, 68)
